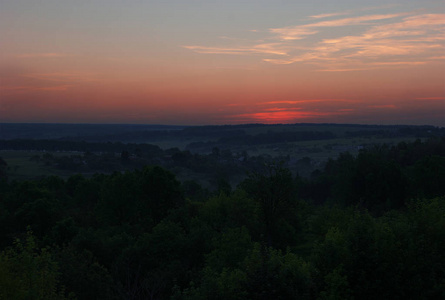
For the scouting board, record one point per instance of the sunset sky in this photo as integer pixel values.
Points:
(222, 62)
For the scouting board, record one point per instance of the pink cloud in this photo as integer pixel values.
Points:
(322, 16)
(63, 76)
(431, 98)
(41, 55)
(36, 88)
(387, 40)
(383, 106)
(353, 21)
(269, 48)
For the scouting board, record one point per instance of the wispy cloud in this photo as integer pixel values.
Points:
(41, 55)
(344, 69)
(383, 106)
(55, 88)
(351, 11)
(56, 81)
(431, 98)
(302, 31)
(361, 20)
(287, 116)
(381, 41)
(322, 16)
(288, 111)
(293, 33)
(36, 88)
(63, 77)
(269, 48)
(301, 101)
(421, 36)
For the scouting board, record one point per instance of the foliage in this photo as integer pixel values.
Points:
(370, 226)
(29, 272)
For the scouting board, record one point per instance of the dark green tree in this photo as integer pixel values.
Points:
(29, 272)
(275, 194)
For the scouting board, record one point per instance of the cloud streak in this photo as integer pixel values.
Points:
(301, 31)
(52, 82)
(269, 48)
(431, 98)
(289, 111)
(42, 55)
(328, 15)
(62, 77)
(380, 41)
(287, 116)
(36, 88)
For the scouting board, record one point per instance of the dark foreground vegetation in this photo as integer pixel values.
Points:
(366, 226)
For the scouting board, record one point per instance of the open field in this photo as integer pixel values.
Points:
(323, 149)
(99, 149)
(22, 167)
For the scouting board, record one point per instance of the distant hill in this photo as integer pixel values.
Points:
(57, 131)
(243, 134)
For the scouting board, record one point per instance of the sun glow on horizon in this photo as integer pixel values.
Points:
(177, 63)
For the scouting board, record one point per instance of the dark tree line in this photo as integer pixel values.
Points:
(79, 146)
(370, 226)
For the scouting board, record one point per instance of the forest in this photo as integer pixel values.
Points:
(369, 225)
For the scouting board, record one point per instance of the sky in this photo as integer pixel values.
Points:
(222, 62)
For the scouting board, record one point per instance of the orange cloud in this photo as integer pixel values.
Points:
(63, 76)
(383, 106)
(41, 55)
(301, 31)
(280, 116)
(344, 69)
(353, 20)
(286, 111)
(302, 101)
(36, 88)
(431, 98)
(347, 12)
(386, 40)
(292, 33)
(268, 48)
(322, 16)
